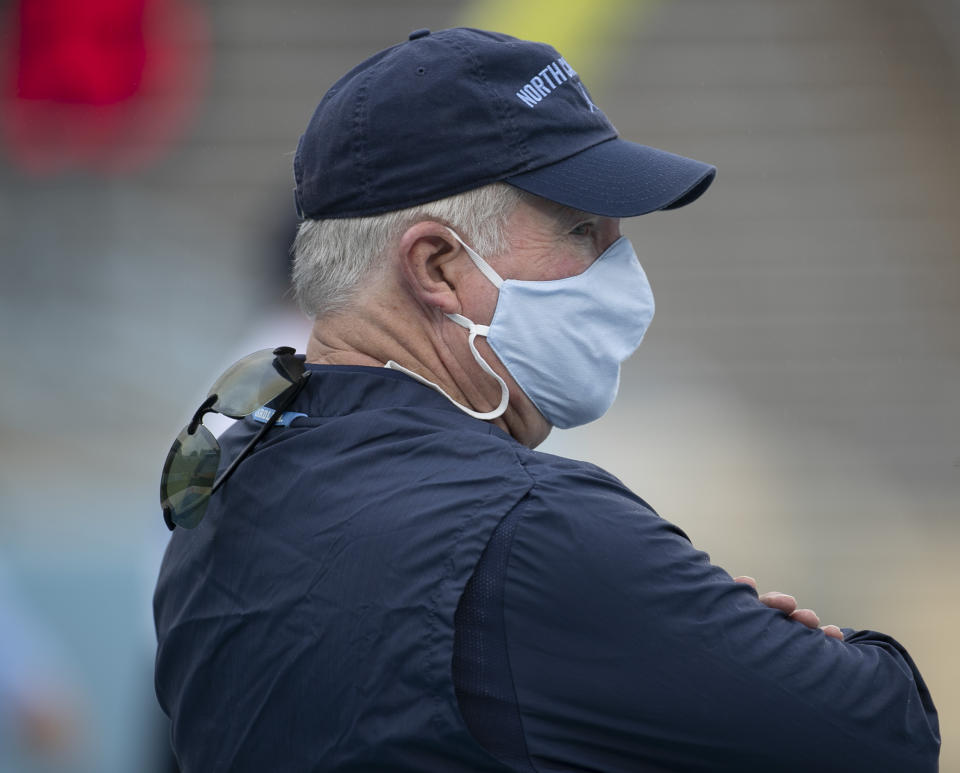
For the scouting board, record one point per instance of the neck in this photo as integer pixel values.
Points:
(425, 342)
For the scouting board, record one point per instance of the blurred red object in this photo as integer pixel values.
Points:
(99, 84)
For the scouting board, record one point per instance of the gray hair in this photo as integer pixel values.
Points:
(332, 256)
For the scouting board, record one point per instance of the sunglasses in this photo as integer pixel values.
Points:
(189, 475)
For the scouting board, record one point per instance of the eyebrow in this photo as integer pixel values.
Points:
(569, 217)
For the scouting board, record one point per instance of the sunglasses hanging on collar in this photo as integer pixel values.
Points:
(189, 475)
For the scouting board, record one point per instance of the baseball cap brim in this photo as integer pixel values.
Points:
(618, 178)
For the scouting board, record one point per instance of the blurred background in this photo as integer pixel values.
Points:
(795, 407)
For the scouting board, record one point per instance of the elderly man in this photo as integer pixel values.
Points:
(387, 577)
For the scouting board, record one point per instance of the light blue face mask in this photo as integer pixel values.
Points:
(563, 340)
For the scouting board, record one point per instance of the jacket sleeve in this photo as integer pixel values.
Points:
(631, 652)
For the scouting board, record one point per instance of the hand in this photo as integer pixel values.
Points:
(788, 605)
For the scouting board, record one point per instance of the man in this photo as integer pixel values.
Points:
(393, 580)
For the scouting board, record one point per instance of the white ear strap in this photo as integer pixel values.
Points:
(485, 268)
(475, 330)
(461, 320)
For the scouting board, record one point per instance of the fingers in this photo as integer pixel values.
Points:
(832, 631)
(746, 581)
(783, 602)
(806, 616)
(788, 605)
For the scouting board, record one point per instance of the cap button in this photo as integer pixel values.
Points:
(417, 34)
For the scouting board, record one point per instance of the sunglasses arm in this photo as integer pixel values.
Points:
(288, 401)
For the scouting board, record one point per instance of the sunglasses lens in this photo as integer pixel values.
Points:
(249, 383)
(188, 476)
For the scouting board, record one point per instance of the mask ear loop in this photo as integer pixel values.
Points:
(487, 270)
(475, 330)
(483, 330)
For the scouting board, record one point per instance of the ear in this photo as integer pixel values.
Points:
(428, 262)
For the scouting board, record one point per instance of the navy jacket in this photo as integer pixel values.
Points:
(390, 585)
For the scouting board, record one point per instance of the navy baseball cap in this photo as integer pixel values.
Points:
(447, 112)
